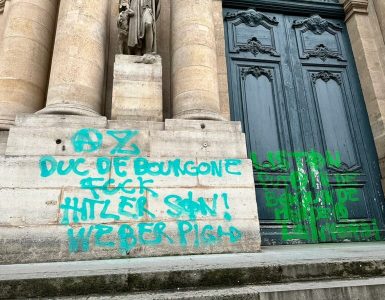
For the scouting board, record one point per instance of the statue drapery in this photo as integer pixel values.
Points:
(137, 26)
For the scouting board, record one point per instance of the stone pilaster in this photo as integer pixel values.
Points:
(380, 10)
(25, 57)
(353, 7)
(194, 68)
(78, 65)
(368, 48)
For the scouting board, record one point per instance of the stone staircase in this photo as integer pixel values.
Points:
(325, 271)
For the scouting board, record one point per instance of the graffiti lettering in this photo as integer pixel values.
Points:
(118, 204)
(318, 188)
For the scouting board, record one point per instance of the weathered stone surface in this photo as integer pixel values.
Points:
(194, 61)
(202, 125)
(373, 288)
(39, 244)
(158, 180)
(50, 243)
(26, 207)
(136, 125)
(197, 144)
(58, 141)
(183, 144)
(76, 82)
(3, 141)
(25, 173)
(137, 88)
(62, 121)
(369, 51)
(26, 45)
(276, 270)
(380, 145)
(211, 212)
(238, 204)
(221, 59)
(244, 180)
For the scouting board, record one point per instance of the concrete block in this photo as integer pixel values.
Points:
(65, 121)
(24, 172)
(42, 244)
(202, 125)
(51, 243)
(137, 88)
(85, 197)
(168, 205)
(136, 125)
(195, 244)
(58, 141)
(23, 207)
(210, 205)
(244, 179)
(156, 164)
(186, 144)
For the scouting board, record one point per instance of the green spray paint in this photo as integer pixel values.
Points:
(317, 209)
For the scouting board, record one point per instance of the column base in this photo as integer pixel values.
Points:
(68, 109)
(6, 124)
(199, 114)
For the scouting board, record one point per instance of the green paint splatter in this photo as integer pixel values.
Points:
(312, 208)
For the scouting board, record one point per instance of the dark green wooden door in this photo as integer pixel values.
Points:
(294, 87)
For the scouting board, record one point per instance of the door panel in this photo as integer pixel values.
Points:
(295, 89)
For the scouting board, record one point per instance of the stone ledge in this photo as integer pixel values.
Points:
(279, 264)
(372, 288)
(61, 121)
(136, 125)
(202, 125)
(37, 141)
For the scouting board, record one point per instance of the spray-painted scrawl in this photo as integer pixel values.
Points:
(118, 205)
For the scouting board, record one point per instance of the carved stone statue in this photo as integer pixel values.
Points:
(136, 24)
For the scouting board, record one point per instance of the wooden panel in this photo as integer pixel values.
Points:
(261, 103)
(335, 123)
(295, 89)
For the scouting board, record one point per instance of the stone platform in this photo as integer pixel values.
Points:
(322, 271)
(83, 188)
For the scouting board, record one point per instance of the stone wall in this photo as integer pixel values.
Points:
(75, 188)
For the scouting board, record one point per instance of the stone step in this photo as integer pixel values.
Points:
(306, 264)
(358, 289)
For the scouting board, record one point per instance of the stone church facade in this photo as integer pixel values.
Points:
(105, 155)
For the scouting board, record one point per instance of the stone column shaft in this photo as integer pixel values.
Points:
(78, 65)
(194, 62)
(25, 57)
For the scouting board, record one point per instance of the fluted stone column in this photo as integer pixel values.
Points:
(78, 63)
(194, 62)
(25, 56)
